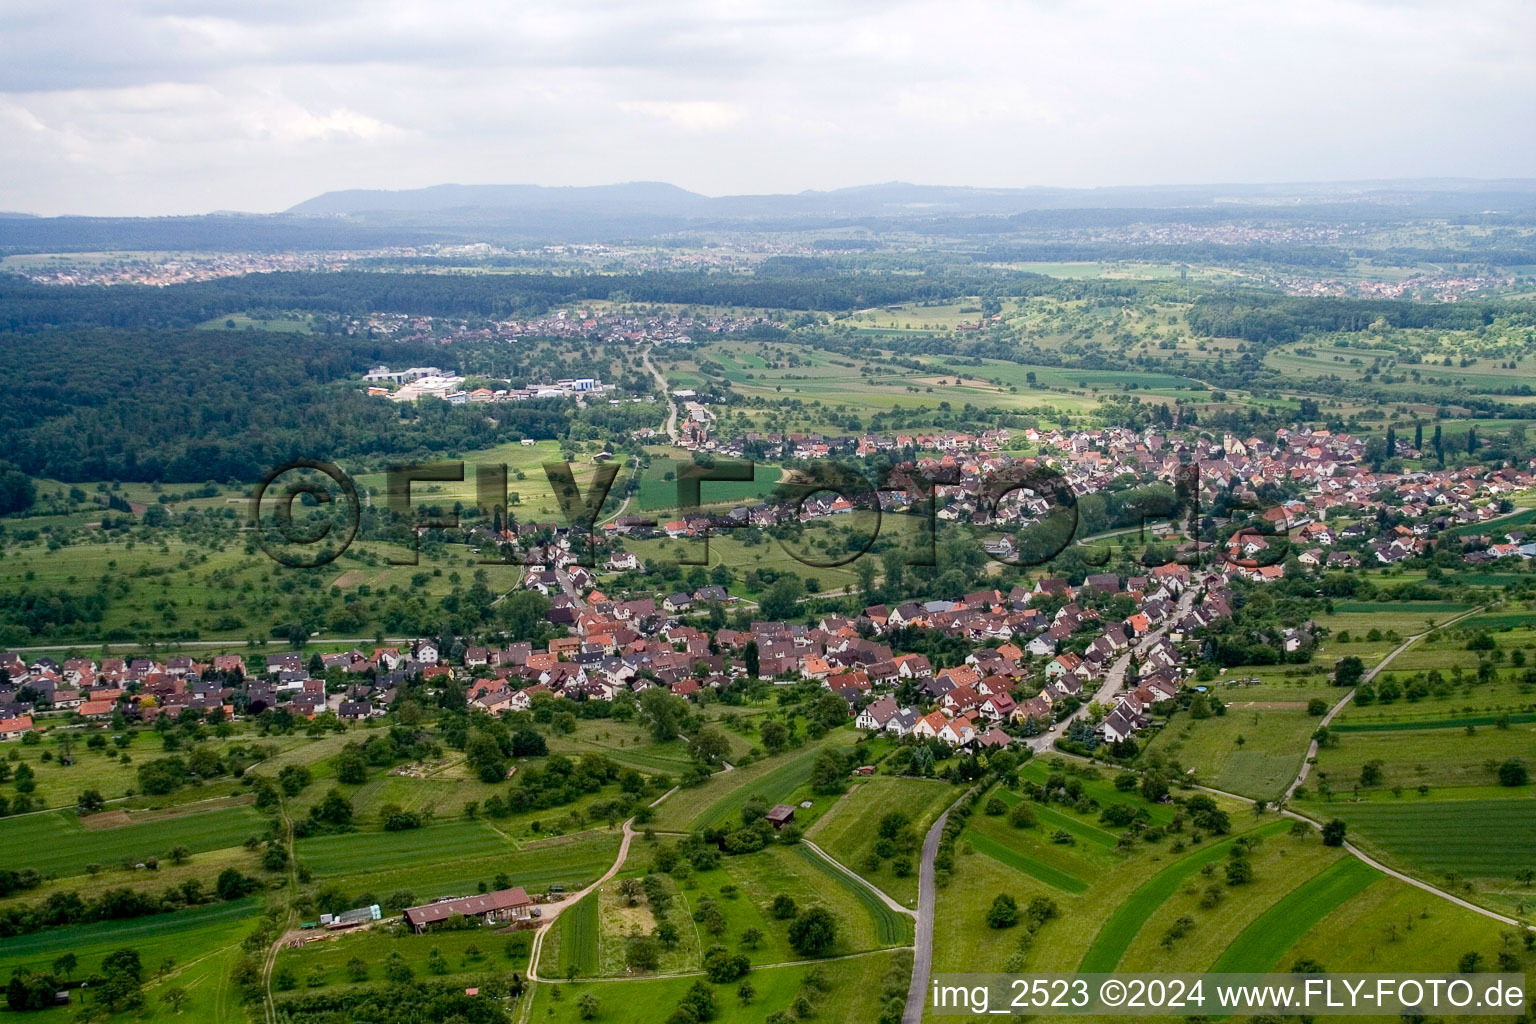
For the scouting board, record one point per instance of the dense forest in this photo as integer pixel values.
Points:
(192, 406)
(29, 307)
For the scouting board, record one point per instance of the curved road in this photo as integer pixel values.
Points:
(1306, 762)
(666, 392)
(872, 887)
(550, 915)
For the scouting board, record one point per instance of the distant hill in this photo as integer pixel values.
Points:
(536, 214)
(902, 199)
(631, 197)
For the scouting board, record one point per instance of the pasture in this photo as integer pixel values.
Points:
(1254, 750)
(849, 831)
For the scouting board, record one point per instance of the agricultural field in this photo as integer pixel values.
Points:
(784, 778)
(1255, 749)
(451, 859)
(848, 831)
(849, 989)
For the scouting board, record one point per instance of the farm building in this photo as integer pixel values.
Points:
(781, 815)
(351, 918)
(505, 905)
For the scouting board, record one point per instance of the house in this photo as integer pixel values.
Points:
(780, 815)
(1122, 723)
(878, 715)
(15, 728)
(491, 907)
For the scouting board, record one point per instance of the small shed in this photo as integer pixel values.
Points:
(781, 815)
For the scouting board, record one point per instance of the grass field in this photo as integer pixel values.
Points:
(1119, 931)
(1052, 876)
(55, 843)
(1486, 839)
(849, 830)
(1262, 943)
(474, 951)
(721, 798)
(1255, 749)
(658, 486)
(451, 858)
(1438, 758)
(578, 928)
(853, 992)
(891, 928)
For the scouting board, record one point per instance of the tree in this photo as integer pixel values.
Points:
(1004, 912)
(1239, 871)
(782, 598)
(709, 746)
(664, 713)
(1317, 707)
(774, 734)
(357, 969)
(1022, 815)
(1513, 773)
(721, 965)
(1154, 786)
(174, 998)
(17, 493)
(813, 933)
(783, 907)
(587, 1005)
(179, 854)
(827, 772)
(483, 754)
(122, 987)
(630, 890)
(745, 992)
(396, 969)
(334, 811)
(90, 802)
(351, 768)
(65, 965)
(1333, 833)
(1348, 671)
(751, 659)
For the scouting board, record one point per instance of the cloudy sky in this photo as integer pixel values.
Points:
(170, 106)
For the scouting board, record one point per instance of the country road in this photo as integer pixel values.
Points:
(1306, 762)
(551, 912)
(922, 953)
(666, 392)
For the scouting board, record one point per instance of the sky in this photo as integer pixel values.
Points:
(152, 107)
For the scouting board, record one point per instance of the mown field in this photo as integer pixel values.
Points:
(849, 831)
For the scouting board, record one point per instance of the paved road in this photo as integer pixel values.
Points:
(1114, 679)
(922, 954)
(666, 392)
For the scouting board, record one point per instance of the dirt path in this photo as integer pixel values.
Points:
(552, 912)
(872, 887)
